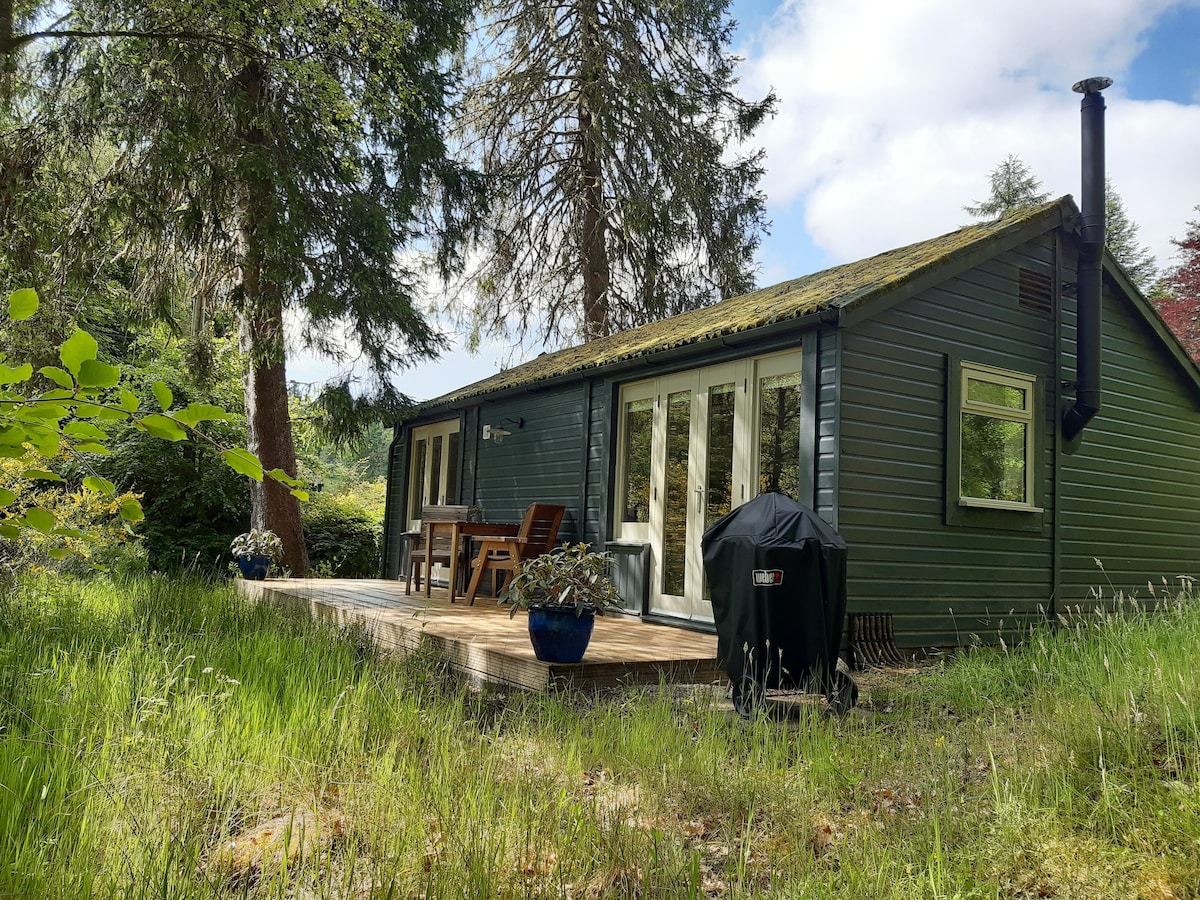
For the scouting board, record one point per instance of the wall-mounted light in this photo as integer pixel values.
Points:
(498, 432)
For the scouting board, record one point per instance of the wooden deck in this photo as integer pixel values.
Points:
(484, 643)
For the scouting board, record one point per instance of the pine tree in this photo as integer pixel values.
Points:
(282, 156)
(1013, 188)
(1121, 239)
(605, 128)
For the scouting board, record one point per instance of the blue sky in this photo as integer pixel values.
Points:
(891, 114)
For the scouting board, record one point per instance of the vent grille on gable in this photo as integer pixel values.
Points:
(1035, 292)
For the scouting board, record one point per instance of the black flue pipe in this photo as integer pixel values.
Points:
(1090, 268)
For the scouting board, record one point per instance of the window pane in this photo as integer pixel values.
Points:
(452, 465)
(416, 488)
(719, 477)
(675, 503)
(639, 428)
(779, 434)
(435, 471)
(993, 458)
(995, 394)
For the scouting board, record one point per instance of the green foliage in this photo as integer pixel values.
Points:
(1121, 239)
(1014, 187)
(69, 530)
(609, 130)
(343, 535)
(82, 419)
(257, 543)
(571, 575)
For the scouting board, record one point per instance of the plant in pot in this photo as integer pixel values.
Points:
(254, 551)
(564, 590)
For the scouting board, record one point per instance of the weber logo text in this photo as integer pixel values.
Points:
(768, 577)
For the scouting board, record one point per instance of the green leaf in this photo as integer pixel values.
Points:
(284, 478)
(44, 441)
(88, 410)
(84, 430)
(10, 531)
(100, 485)
(12, 435)
(39, 519)
(92, 447)
(15, 375)
(59, 553)
(244, 463)
(57, 395)
(163, 427)
(77, 349)
(112, 415)
(40, 475)
(73, 532)
(6, 497)
(42, 412)
(300, 495)
(22, 304)
(163, 395)
(58, 376)
(95, 374)
(129, 401)
(131, 510)
(195, 413)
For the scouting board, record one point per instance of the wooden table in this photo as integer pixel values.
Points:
(458, 530)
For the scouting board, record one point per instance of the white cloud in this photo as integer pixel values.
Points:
(892, 114)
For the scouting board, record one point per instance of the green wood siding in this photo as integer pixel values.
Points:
(942, 582)
(393, 520)
(541, 462)
(1131, 494)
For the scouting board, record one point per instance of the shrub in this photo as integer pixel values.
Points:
(342, 536)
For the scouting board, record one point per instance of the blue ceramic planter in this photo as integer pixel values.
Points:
(559, 635)
(254, 568)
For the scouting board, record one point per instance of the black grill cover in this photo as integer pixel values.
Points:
(777, 573)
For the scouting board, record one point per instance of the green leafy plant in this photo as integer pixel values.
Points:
(570, 575)
(257, 543)
(73, 418)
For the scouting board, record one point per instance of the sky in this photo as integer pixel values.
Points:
(892, 114)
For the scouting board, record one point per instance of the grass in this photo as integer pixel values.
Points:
(161, 738)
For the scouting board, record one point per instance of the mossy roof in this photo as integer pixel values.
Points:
(841, 287)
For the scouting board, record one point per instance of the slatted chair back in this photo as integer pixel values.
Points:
(539, 528)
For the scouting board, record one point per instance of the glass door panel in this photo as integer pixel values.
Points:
(676, 493)
(718, 476)
(635, 460)
(779, 433)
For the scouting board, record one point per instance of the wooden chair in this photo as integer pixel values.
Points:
(422, 554)
(538, 533)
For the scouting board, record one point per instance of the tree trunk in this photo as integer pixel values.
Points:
(269, 432)
(268, 422)
(594, 223)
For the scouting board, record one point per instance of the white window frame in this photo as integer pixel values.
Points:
(1028, 416)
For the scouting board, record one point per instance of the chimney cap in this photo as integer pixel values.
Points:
(1093, 85)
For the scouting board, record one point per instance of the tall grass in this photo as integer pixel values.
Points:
(154, 731)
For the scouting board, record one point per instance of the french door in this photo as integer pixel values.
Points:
(692, 446)
(433, 468)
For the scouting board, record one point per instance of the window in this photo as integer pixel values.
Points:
(992, 463)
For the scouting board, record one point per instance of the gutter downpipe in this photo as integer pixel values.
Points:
(1089, 268)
